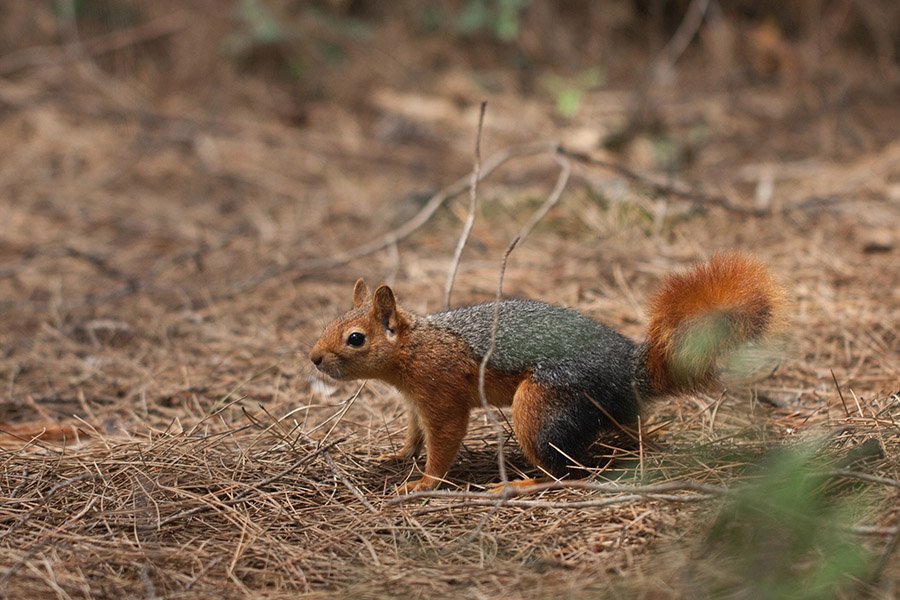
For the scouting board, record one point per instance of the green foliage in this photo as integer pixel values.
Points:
(666, 153)
(68, 10)
(673, 153)
(500, 17)
(704, 341)
(569, 92)
(264, 36)
(697, 346)
(109, 13)
(340, 25)
(781, 536)
(258, 28)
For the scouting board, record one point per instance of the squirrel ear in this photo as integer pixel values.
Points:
(384, 307)
(360, 293)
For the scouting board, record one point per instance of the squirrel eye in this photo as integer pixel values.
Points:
(356, 339)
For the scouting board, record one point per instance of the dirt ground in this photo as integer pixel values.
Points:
(177, 225)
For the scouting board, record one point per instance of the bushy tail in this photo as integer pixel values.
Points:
(700, 316)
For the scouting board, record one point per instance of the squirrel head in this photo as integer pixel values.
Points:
(364, 342)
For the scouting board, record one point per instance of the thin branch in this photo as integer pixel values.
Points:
(664, 189)
(41, 56)
(870, 530)
(343, 478)
(394, 236)
(470, 219)
(100, 263)
(574, 504)
(539, 214)
(863, 477)
(30, 255)
(840, 393)
(553, 199)
(687, 30)
(604, 488)
(304, 267)
(482, 368)
(424, 215)
(665, 60)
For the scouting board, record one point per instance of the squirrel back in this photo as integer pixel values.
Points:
(528, 332)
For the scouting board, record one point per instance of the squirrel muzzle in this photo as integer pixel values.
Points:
(326, 362)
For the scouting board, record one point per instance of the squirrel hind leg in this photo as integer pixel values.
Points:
(552, 432)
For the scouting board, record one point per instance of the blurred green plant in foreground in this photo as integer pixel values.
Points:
(785, 535)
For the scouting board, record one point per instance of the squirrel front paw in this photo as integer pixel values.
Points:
(394, 456)
(403, 454)
(515, 486)
(422, 485)
(389, 457)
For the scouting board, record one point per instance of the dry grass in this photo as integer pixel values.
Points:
(162, 434)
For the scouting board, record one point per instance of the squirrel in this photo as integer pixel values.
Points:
(567, 377)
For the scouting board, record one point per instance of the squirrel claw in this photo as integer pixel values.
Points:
(498, 488)
(396, 456)
(512, 486)
(422, 485)
(389, 457)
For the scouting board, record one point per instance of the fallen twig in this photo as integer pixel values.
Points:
(663, 189)
(400, 233)
(606, 488)
(347, 483)
(43, 56)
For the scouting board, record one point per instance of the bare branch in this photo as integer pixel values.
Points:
(539, 214)
(628, 492)
(690, 25)
(403, 231)
(847, 474)
(664, 189)
(41, 56)
(665, 60)
(470, 219)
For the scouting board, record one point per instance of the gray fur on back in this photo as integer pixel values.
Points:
(533, 334)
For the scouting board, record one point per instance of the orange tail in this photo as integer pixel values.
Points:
(701, 315)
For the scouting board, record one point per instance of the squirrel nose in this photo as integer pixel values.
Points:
(316, 357)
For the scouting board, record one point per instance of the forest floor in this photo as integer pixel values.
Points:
(173, 240)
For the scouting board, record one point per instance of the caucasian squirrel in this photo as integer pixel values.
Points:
(567, 377)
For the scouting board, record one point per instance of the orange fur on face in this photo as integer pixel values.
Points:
(381, 326)
(733, 288)
(360, 293)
